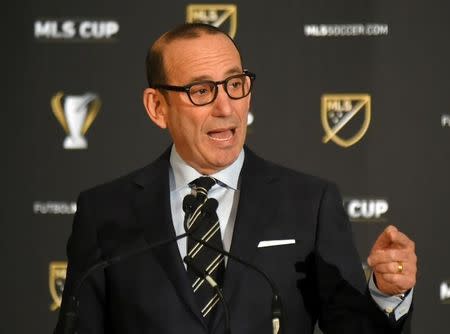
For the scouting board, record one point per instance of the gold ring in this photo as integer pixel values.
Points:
(400, 267)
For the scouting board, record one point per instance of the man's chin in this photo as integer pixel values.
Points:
(222, 159)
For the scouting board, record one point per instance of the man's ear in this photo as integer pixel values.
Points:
(249, 101)
(155, 106)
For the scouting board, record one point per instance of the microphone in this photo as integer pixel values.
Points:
(211, 203)
(191, 204)
(71, 316)
(203, 274)
(194, 208)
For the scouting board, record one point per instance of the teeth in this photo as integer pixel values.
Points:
(220, 139)
(219, 136)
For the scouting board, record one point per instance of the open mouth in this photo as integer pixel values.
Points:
(222, 134)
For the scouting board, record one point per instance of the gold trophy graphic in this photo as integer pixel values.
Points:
(75, 113)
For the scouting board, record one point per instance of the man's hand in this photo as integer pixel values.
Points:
(394, 262)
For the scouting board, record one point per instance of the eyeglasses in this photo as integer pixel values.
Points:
(204, 92)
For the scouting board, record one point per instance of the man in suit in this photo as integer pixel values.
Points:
(290, 225)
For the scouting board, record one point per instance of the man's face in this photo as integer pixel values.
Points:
(210, 137)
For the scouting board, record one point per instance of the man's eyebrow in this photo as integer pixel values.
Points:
(232, 71)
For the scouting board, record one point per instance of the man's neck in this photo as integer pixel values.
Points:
(185, 173)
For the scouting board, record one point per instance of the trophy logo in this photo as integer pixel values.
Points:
(57, 278)
(75, 113)
(250, 118)
(217, 15)
(445, 120)
(445, 292)
(345, 117)
(250, 121)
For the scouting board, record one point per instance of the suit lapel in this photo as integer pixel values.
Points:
(152, 206)
(255, 209)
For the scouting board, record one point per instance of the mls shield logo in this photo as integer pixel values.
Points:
(217, 15)
(75, 113)
(57, 278)
(345, 117)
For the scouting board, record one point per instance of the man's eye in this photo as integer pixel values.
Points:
(201, 90)
(235, 84)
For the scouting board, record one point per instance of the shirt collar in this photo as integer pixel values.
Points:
(184, 174)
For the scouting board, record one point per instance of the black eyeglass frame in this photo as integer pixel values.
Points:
(187, 88)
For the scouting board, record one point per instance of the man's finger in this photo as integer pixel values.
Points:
(400, 239)
(388, 255)
(385, 238)
(392, 268)
(402, 282)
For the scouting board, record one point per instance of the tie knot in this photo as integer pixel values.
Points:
(203, 184)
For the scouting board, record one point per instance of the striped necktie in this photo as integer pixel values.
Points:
(203, 223)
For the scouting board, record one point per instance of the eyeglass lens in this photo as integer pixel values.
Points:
(236, 87)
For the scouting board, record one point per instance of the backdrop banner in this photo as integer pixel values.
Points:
(352, 91)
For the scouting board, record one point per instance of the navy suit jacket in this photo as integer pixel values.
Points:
(319, 278)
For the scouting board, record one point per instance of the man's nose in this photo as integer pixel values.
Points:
(223, 103)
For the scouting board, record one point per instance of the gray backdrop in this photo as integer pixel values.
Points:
(395, 52)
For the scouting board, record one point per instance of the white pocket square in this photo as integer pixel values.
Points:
(270, 243)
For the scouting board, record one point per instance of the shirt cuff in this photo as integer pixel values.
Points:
(398, 304)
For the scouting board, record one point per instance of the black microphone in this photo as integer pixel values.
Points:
(204, 275)
(71, 316)
(193, 208)
(189, 203)
(277, 307)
